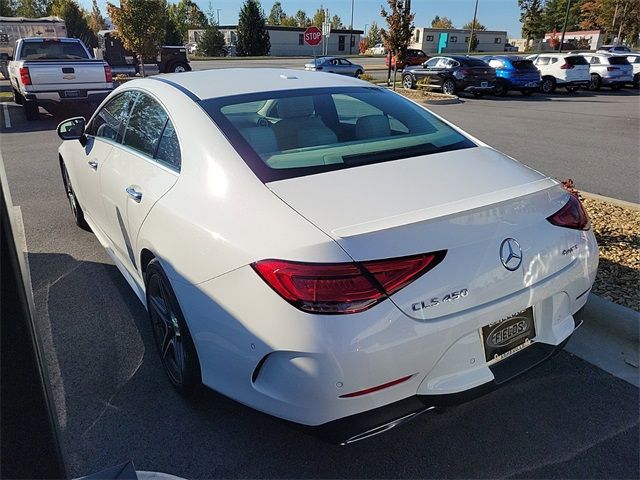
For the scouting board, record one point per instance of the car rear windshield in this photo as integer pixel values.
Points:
(618, 61)
(578, 60)
(292, 133)
(472, 62)
(52, 50)
(525, 65)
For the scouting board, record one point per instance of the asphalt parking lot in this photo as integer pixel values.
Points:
(565, 419)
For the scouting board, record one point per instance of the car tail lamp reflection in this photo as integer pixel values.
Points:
(108, 76)
(342, 288)
(572, 215)
(25, 77)
(376, 388)
(566, 66)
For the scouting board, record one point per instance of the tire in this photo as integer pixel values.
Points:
(358, 73)
(171, 333)
(31, 111)
(17, 98)
(179, 67)
(572, 89)
(596, 83)
(449, 87)
(548, 85)
(408, 82)
(526, 93)
(76, 210)
(500, 89)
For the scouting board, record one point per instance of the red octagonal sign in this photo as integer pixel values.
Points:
(312, 36)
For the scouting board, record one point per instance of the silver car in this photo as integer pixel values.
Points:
(608, 70)
(634, 60)
(335, 65)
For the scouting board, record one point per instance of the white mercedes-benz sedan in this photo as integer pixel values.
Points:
(325, 250)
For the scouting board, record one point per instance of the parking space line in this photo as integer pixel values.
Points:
(7, 118)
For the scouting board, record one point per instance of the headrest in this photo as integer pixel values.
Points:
(295, 107)
(372, 126)
(261, 139)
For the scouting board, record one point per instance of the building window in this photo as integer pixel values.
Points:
(341, 43)
(429, 38)
(301, 39)
(417, 35)
(453, 39)
(497, 40)
(466, 39)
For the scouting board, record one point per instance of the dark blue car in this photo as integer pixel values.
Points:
(514, 73)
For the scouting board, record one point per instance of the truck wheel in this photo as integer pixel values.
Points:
(179, 67)
(17, 98)
(31, 111)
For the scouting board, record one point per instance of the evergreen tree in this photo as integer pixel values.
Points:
(531, 19)
(277, 15)
(554, 13)
(96, 20)
(301, 19)
(336, 23)
(183, 16)
(211, 42)
(253, 38)
(32, 8)
(77, 21)
(7, 8)
(373, 35)
(319, 17)
(443, 23)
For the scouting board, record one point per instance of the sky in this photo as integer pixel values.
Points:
(494, 14)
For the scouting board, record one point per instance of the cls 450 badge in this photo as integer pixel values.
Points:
(449, 297)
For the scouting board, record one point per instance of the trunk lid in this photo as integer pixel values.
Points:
(466, 202)
(65, 74)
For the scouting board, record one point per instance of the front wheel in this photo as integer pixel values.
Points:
(358, 73)
(408, 82)
(548, 85)
(76, 210)
(500, 89)
(449, 87)
(595, 83)
(174, 342)
(179, 67)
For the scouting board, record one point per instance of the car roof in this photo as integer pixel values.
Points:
(224, 82)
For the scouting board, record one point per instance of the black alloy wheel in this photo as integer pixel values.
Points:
(449, 87)
(500, 89)
(548, 85)
(174, 342)
(596, 82)
(76, 210)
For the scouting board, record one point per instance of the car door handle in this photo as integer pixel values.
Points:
(93, 164)
(134, 194)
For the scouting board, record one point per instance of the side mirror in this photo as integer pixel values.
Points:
(72, 129)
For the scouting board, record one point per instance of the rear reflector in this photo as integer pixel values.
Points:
(108, 77)
(341, 288)
(376, 388)
(25, 78)
(572, 215)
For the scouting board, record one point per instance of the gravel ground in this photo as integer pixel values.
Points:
(617, 230)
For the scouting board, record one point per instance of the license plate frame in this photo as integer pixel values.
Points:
(484, 84)
(507, 336)
(72, 93)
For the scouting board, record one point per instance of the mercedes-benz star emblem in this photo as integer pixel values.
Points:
(510, 254)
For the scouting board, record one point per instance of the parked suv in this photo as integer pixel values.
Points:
(634, 60)
(561, 70)
(453, 74)
(514, 73)
(613, 49)
(608, 70)
(411, 57)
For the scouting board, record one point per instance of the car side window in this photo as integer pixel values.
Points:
(110, 121)
(495, 63)
(542, 61)
(442, 63)
(168, 152)
(145, 125)
(432, 63)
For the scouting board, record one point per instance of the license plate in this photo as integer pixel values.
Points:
(484, 84)
(71, 93)
(509, 335)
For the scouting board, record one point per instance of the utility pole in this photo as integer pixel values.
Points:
(624, 12)
(473, 27)
(351, 33)
(564, 26)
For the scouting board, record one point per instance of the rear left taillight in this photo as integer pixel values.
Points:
(108, 76)
(342, 288)
(566, 66)
(572, 215)
(611, 69)
(25, 77)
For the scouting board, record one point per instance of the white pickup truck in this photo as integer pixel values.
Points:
(56, 72)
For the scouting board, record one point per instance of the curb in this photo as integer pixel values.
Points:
(444, 101)
(613, 201)
(618, 319)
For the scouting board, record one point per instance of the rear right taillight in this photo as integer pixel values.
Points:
(342, 288)
(611, 69)
(25, 78)
(108, 76)
(566, 66)
(572, 215)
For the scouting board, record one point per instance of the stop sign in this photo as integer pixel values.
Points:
(312, 36)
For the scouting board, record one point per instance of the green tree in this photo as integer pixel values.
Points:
(301, 18)
(290, 22)
(172, 35)
(478, 27)
(443, 22)
(319, 17)
(253, 38)
(32, 8)
(373, 35)
(96, 20)
(211, 42)
(602, 15)
(140, 25)
(554, 13)
(532, 19)
(7, 8)
(183, 16)
(336, 23)
(77, 21)
(276, 15)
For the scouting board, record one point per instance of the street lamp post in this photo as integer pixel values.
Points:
(351, 31)
(473, 27)
(564, 25)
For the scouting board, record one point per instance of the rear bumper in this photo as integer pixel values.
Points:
(477, 86)
(58, 97)
(617, 80)
(573, 83)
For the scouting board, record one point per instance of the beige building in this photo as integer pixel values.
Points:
(437, 40)
(289, 41)
(591, 39)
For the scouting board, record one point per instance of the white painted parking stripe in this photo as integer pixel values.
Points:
(7, 118)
